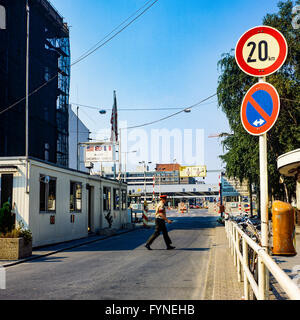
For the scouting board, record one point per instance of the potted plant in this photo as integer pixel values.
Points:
(15, 241)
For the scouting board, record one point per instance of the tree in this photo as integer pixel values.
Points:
(242, 149)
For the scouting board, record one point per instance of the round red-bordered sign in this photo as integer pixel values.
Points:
(261, 51)
(260, 108)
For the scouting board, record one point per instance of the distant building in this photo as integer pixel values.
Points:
(164, 174)
(233, 190)
(168, 167)
(169, 174)
(49, 60)
(83, 136)
(236, 196)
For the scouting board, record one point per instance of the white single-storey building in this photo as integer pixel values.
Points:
(58, 204)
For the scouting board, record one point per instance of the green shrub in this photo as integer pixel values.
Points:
(7, 219)
(24, 233)
(8, 228)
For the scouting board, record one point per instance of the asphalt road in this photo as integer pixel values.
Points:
(122, 268)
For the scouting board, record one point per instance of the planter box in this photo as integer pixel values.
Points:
(14, 249)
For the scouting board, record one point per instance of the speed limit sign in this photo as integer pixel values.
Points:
(261, 51)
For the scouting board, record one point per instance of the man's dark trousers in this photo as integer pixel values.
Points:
(160, 226)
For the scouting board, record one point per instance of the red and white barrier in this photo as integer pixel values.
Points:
(145, 219)
(153, 196)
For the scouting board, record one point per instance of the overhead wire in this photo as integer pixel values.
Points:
(116, 28)
(183, 110)
(114, 35)
(130, 109)
(171, 115)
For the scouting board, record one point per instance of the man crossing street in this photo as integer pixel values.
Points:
(160, 225)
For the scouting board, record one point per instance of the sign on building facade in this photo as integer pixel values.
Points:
(100, 153)
(193, 171)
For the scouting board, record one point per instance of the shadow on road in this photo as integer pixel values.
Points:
(137, 239)
(133, 240)
(47, 259)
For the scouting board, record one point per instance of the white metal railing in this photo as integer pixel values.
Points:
(265, 265)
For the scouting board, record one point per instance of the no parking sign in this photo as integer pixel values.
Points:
(260, 108)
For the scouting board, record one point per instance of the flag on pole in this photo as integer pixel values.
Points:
(114, 121)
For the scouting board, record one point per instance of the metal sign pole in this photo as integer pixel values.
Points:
(261, 66)
(263, 171)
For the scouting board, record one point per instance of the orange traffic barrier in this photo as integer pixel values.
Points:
(283, 218)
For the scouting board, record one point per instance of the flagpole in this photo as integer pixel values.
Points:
(114, 129)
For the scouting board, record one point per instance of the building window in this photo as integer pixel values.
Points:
(106, 198)
(47, 148)
(6, 188)
(47, 194)
(75, 196)
(47, 74)
(124, 202)
(116, 199)
(2, 18)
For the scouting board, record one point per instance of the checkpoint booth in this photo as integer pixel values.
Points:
(289, 166)
(136, 207)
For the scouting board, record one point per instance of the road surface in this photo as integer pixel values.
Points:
(122, 268)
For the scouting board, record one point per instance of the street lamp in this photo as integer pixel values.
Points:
(145, 162)
(174, 177)
(126, 153)
(159, 176)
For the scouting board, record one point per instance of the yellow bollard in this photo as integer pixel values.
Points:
(283, 218)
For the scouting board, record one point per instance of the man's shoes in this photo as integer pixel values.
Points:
(170, 248)
(148, 247)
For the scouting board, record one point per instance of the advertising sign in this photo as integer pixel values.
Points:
(193, 171)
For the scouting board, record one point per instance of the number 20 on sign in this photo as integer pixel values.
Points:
(261, 51)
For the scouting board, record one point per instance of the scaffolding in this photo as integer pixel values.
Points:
(49, 59)
(60, 43)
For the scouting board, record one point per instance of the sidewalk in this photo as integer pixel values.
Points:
(52, 249)
(222, 280)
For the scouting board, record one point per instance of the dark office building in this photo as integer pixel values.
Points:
(49, 59)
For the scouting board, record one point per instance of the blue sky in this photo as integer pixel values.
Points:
(167, 58)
